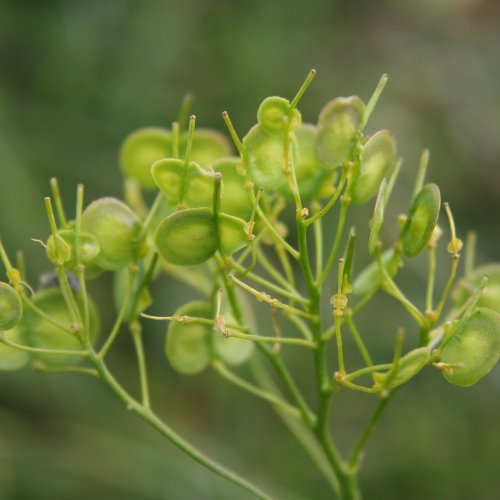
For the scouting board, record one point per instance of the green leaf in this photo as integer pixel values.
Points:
(473, 349)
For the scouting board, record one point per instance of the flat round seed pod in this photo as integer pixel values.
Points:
(338, 125)
(473, 349)
(188, 344)
(273, 113)
(231, 350)
(141, 149)
(208, 146)
(232, 234)
(116, 229)
(11, 307)
(199, 188)
(378, 218)
(87, 243)
(39, 332)
(370, 278)
(235, 197)
(168, 174)
(264, 157)
(187, 237)
(408, 366)
(378, 155)
(58, 251)
(490, 297)
(421, 221)
(11, 358)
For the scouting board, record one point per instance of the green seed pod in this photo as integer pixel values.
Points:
(273, 113)
(235, 197)
(116, 229)
(408, 366)
(141, 149)
(88, 247)
(232, 234)
(120, 287)
(473, 349)
(338, 125)
(187, 237)
(208, 146)
(370, 279)
(11, 358)
(188, 344)
(11, 307)
(232, 351)
(58, 253)
(378, 155)
(39, 332)
(490, 297)
(193, 188)
(264, 157)
(421, 221)
(377, 219)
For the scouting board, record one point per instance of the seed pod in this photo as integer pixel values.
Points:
(116, 229)
(232, 234)
(264, 157)
(232, 351)
(490, 297)
(236, 196)
(39, 332)
(11, 307)
(370, 279)
(408, 366)
(87, 243)
(377, 219)
(421, 221)
(378, 155)
(141, 149)
(188, 344)
(58, 251)
(338, 125)
(273, 114)
(208, 146)
(473, 349)
(193, 187)
(11, 358)
(187, 237)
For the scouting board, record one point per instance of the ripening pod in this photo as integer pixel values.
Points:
(191, 346)
(338, 126)
(208, 146)
(116, 229)
(141, 149)
(378, 218)
(273, 114)
(473, 349)
(189, 237)
(378, 155)
(370, 279)
(88, 247)
(11, 358)
(421, 221)
(11, 307)
(39, 332)
(236, 198)
(490, 297)
(193, 187)
(408, 366)
(264, 157)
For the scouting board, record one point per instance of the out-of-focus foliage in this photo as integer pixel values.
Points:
(77, 77)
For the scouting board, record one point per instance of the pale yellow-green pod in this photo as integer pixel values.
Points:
(338, 127)
(141, 149)
(11, 307)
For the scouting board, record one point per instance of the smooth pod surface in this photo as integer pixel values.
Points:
(116, 229)
(208, 146)
(264, 157)
(378, 155)
(273, 114)
(473, 349)
(338, 125)
(88, 247)
(141, 149)
(187, 237)
(421, 221)
(188, 344)
(10, 357)
(11, 307)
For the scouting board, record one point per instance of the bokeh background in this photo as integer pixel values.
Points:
(77, 76)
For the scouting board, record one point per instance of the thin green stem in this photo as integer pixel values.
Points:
(41, 350)
(272, 340)
(449, 284)
(373, 100)
(303, 88)
(225, 372)
(39, 366)
(278, 238)
(358, 339)
(232, 133)
(136, 331)
(264, 262)
(54, 185)
(431, 252)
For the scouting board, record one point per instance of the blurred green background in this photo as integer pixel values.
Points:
(77, 76)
